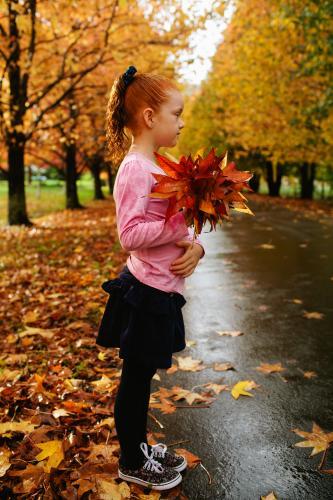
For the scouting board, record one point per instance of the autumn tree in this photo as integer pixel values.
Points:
(264, 96)
(50, 48)
(314, 21)
(41, 65)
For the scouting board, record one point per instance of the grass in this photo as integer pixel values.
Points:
(50, 197)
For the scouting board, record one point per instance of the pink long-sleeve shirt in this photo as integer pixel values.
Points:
(141, 226)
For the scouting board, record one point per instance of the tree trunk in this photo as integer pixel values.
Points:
(111, 177)
(96, 170)
(17, 211)
(308, 173)
(29, 176)
(254, 182)
(273, 184)
(72, 200)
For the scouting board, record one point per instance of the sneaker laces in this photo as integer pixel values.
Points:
(159, 449)
(150, 463)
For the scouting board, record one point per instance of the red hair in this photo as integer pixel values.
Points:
(125, 102)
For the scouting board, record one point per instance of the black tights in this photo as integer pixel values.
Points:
(131, 409)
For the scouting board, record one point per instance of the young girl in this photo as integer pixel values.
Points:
(143, 315)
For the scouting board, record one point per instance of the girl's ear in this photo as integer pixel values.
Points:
(148, 116)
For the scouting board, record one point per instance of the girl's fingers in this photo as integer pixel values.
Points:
(183, 266)
(188, 274)
(186, 269)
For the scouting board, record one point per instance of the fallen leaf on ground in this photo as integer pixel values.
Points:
(231, 333)
(13, 359)
(310, 374)
(21, 426)
(46, 333)
(318, 439)
(53, 451)
(313, 315)
(217, 388)
(241, 388)
(267, 368)
(190, 397)
(4, 460)
(221, 367)
(109, 489)
(266, 246)
(190, 343)
(270, 496)
(187, 363)
(7, 375)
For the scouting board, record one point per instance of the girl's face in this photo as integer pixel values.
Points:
(168, 122)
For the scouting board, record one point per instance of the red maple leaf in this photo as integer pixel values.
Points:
(207, 187)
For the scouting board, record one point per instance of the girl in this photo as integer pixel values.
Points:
(143, 314)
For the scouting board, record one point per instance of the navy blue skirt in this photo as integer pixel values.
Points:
(144, 322)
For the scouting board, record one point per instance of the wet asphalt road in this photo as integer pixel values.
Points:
(247, 444)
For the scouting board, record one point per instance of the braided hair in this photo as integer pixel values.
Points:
(116, 136)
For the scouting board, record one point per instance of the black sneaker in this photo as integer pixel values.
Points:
(151, 474)
(167, 459)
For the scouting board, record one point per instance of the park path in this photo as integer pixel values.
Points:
(247, 444)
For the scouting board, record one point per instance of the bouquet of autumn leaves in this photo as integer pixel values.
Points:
(207, 187)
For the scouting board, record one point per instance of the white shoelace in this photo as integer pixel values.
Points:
(150, 463)
(159, 449)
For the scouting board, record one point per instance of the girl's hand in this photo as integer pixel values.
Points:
(186, 264)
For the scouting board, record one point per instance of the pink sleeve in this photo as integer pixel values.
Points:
(134, 231)
(196, 240)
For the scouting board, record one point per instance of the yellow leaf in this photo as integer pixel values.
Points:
(224, 161)
(270, 496)
(12, 375)
(30, 317)
(21, 426)
(11, 338)
(190, 343)
(101, 356)
(104, 383)
(12, 359)
(53, 451)
(4, 461)
(122, 3)
(93, 306)
(46, 333)
(107, 421)
(201, 152)
(241, 388)
(246, 210)
(109, 489)
(318, 439)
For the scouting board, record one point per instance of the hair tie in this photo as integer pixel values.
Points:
(128, 76)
